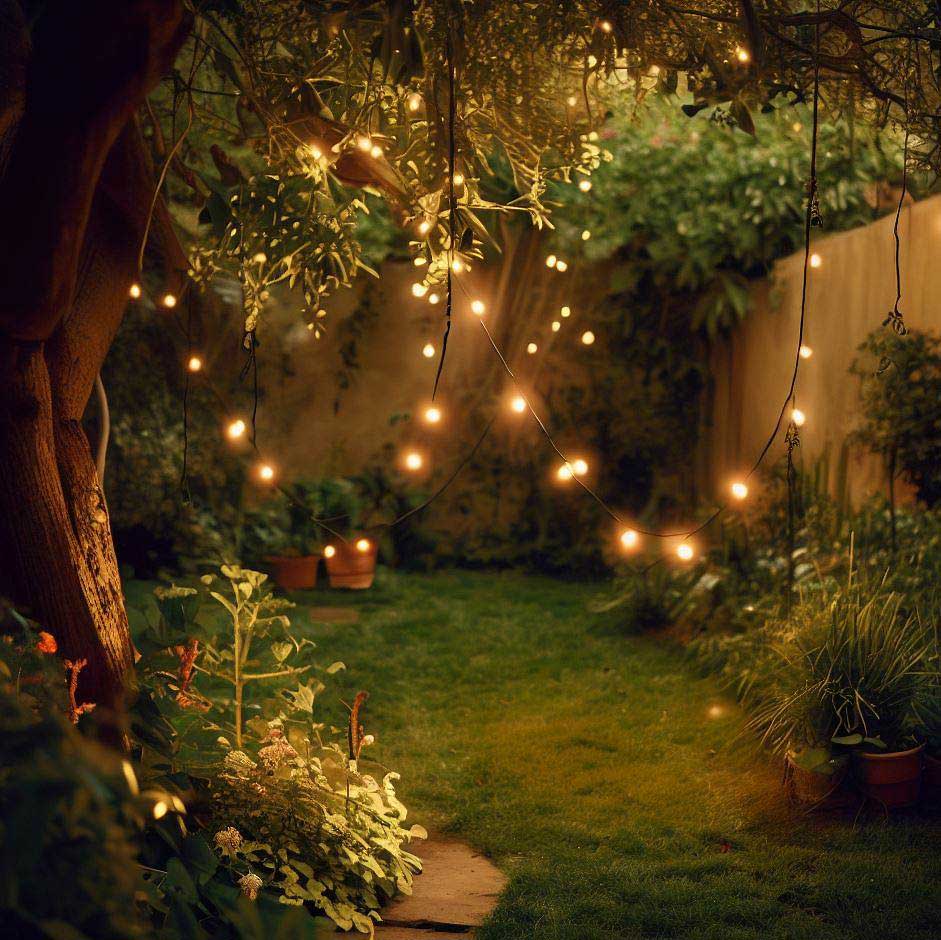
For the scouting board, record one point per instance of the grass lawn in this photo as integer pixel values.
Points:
(598, 772)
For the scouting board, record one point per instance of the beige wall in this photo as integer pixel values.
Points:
(848, 297)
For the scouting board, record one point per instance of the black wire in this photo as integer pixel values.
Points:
(184, 481)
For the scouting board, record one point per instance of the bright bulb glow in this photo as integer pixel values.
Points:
(413, 461)
(419, 290)
(684, 551)
(551, 261)
(716, 711)
(414, 101)
(428, 351)
(315, 151)
(806, 352)
(424, 227)
(432, 415)
(364, 143)
(588, 337)
(236, 429)
(478, 307)
(585, 186)
(742, 55)
(532, 349)
(797, 127)
(739, 489)
(420, 261)
(630, 539)
(329, 551)
(266, 472)
(815, 260)
(134, 291)
(458, 179)
(376, 152)
(561, 266)
(362, 545)
(566, 312)
(571, 101)
(169, 300)
(194, 364)
(798, 417)
(565, 472)
(518, 404)
(586, 235)
(433, 298)
(556, 326)
(605, 26)
(457, 265)
(579, 467)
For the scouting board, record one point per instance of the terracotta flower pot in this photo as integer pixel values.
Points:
(294, 572)
(820, 791)
(931, 781)
(351, 564)
(892, 779)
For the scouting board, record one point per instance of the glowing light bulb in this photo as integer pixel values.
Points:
(742, 55)
(585, 186)
(432, 415)
(551, 261)
(420, 261)
(797, 127)
(561, 266)
(588, 337)
(798, 417)
(364, 143)
(414, 101)
(518, 404)
(684, 551)
(579, 467)
(424, 227)
(566, 312)
(413, 460)
(630, 539)
(194, 364)
(571, 101)
(376, 152)
(363, 545)
(478, 307)
(457, 265)
(315, 151)
(169, 300)
(556, 326)
(266, 472)
(806, 352)
(433, 298)
(586, 234)
(739, 489)
(715, 711)
(428, 351)
(419, 290)
(236, 429)
(565, 472)
(532, 348)
(329, 551)
(134, 291)
(605, 26)
(458, 179)
(815, 260)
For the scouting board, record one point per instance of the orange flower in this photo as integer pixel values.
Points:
(47, 643)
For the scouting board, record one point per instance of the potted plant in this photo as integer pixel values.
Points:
(282, 535)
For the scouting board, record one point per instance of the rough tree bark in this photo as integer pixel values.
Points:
(75, 187)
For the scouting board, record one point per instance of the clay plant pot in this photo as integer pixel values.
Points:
(817, 790)
(892, 779)
(294, 572)
(351, 564)
(931, 781)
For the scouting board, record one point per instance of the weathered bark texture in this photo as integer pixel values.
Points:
(75, 188)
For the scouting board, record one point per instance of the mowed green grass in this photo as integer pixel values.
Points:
(610, 782)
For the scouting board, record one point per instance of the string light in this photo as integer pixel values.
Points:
(815, 260)
(420, 261)
(566, 312)
(315, 151)
(376, 152)
(605, 26)
(363, 545)
(565, 472)
(561, 266)
(798, 417)
(414, 101)
(572, 101)
(364, 143)
(579, 467)
(556, 326)
(588, 337)
(518, 404)
(428, 351)
(433, 298)
(806, 352)
(169, 301)
(432, 414)
(419, 290)
(585, 186)
(329, 551)
(457, 265)
(458, 179)
(265, 472)
(630, 539)
(477, 306)
(685, 551)
(742, 54)
(739, 490)
(551, 261)
(134, 291)
(586, 234)
(413, 460)
(532, 348)
(194, 364)
(236, 429)
(424, 227)
(797, 127)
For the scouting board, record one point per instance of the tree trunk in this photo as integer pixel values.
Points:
(75, 190)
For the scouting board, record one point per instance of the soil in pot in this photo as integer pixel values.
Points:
(892, 779)
(294, 572)
(351, 564)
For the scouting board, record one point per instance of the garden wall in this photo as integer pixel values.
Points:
(848, 297)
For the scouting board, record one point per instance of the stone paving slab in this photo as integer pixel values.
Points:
(333, 614)
(455, 892)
